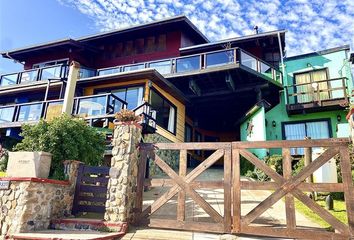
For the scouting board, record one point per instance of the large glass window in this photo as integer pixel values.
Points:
(30, 112)
(165, 111)
(6, 114)
(132, 95)
(312, 129)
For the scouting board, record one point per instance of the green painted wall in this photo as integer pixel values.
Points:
(338, 66)
(258, 132)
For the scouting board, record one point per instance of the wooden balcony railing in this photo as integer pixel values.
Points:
(329, 92)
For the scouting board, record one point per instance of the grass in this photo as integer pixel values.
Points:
(2, 174)
(339, 211)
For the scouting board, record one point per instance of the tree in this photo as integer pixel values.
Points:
(66, 138)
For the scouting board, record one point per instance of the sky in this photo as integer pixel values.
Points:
(311, 25)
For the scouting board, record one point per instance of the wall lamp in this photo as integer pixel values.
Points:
(274, 123)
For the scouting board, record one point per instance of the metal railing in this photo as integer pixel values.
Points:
(26, 112)
(199, 62)
(51, 72)
(147, 114)
(318, 91)
(98, 105)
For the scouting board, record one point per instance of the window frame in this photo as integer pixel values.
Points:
(171, 104)
(328, 120)
(36, 65)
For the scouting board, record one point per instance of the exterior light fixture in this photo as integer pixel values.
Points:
(274, 123)
(339, 118)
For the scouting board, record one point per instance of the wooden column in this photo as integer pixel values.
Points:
(236, 189)
(181, 208)
(70, 88)
(289, 199)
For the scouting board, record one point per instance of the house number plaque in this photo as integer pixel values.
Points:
(4, 185)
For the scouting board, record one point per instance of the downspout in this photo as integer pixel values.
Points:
(282, 66)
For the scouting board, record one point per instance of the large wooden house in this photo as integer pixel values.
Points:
(193, 89)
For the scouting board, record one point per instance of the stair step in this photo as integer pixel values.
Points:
(87, 224)
(66, 235)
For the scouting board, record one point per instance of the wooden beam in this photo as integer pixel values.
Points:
(181, 207)
(289, 199)
(236, 190)
(187, 226)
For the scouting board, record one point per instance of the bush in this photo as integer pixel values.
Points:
(245, 166)
(67, 139)
(275, 161)
(126, 115)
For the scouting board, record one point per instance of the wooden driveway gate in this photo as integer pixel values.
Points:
(231, 221)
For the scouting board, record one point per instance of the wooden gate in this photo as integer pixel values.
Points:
(231, 221)
(91, 189)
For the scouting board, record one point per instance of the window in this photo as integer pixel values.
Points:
(309, 87)
(132, 95)
(51, 63)
(166, 111)
(312, 129)
(161, 43)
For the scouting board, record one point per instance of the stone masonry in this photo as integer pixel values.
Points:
(121, 193)
(30, 203)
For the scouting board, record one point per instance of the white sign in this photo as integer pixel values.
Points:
(4, 185)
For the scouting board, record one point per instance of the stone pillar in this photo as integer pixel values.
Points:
(121, 192)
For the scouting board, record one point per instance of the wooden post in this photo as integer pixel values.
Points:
(181, 208)
(236, 190)
(227, 190)
(308, 160)
(289, 199)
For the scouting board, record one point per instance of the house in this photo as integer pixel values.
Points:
(193, 89)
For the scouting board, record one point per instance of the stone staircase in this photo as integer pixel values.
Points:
(77, 228)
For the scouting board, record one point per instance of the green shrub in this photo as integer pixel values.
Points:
(67, 139)
(298, 166)
(245, 166)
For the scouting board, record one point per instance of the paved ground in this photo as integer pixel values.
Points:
(275, 216)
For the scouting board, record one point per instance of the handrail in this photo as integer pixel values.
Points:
(325, 80)
(101, 95)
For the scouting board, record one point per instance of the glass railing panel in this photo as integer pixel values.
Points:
(53, 109)
(107, 71)
(248, 61)
(266, 70)
(7, 114)
(9, 79)
(86, 72)
(30, 112)
(219, 58)
(134, 67)
(51, 72)
(163, 67)
(29, 76)
(115, 105)
(187, 64)
(92, 106)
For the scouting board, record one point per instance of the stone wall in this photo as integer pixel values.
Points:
(121, 193)
(30, 203)
(171, 157)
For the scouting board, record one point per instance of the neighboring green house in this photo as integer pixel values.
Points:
(313, 104)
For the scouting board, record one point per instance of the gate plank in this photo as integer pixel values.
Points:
(236, 188)
(182, 195)
(289, 185)
(289, 199)
(140, 181)
(189, 190)
(348, 187)
(227, 191)
(187, 226)
(189, 178)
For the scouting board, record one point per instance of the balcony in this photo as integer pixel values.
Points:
(204, 62)
(148, 117)
(321, 95)
(34, 75)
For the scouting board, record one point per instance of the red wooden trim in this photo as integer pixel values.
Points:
(30, 179)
